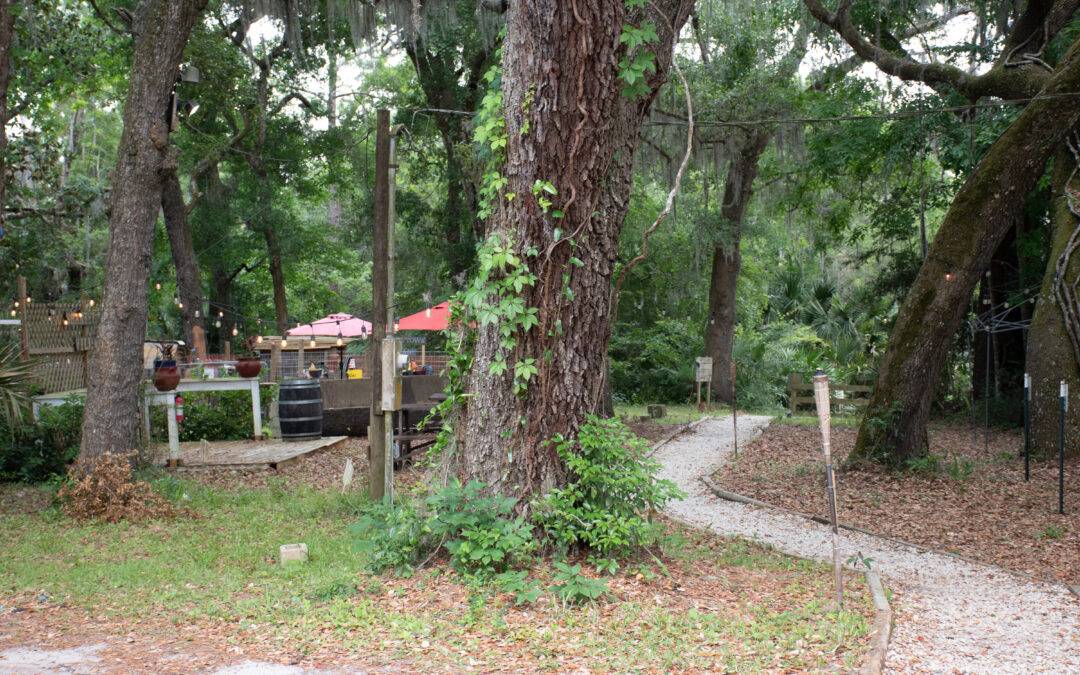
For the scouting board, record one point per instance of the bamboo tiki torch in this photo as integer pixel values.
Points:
(821, 398)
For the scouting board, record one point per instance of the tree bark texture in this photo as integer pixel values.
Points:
(111, 418)
(188, 279)
(727, 260)
(7, 33)
(1050, 357)
(985, 208)
(567, 123)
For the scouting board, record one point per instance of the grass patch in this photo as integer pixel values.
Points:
(681, 413)
(702, 603)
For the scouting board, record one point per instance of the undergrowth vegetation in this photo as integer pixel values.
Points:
(606, 511)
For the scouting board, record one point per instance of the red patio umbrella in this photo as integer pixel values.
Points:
(347, 324)
(432, 318)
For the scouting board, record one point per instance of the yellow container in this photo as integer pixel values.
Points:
(355, 373)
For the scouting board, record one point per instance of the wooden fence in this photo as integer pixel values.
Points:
(838, 394)
(57, 338)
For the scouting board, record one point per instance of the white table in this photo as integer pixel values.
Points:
(152, 395)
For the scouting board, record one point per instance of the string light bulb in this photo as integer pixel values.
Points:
(217, 323)
(197, 313)
(284, 343)
(340, 342)
(16, 304)
(28, 299)
(91, 302)
(235, 332)
(65, 318)
(13, 312)
(312, 343)
(157, 286)
(948, 274)
(258, 338)
(428, 312)
(180, 305)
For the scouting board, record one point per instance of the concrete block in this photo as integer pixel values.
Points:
(291, 552)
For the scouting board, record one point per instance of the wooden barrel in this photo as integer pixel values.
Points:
(300, 410)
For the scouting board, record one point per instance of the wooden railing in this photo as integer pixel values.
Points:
(860, 394)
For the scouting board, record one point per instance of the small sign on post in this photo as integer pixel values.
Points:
(704, 374)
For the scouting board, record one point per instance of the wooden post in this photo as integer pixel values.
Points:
(794, 380)
(423, 354)
(376, 423)
(275, 361)
(300, 365)
(734, 414)
(24, 339)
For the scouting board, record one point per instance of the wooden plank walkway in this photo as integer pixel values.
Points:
(247, 454)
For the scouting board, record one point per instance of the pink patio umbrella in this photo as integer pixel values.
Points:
(347, 324)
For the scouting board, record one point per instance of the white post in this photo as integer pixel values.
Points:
(256, 408)
(174, 430)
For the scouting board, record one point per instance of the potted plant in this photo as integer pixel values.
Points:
(166, 374)
(247, 359)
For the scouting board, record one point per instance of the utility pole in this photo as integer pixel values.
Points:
(377, 446)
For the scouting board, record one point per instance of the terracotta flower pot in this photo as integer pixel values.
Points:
(166, 376)
(248, 366)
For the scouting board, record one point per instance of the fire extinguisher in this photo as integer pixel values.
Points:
(179, 408)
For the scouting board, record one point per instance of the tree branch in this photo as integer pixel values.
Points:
(101, 15)
(1013, 82)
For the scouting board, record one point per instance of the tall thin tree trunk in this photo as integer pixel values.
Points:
(111, 417)
(986, 207)
(7, 33)
(188, 279)
(727, 260)
(577, 132)
(277, 277)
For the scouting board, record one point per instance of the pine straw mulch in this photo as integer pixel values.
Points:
(988, 513)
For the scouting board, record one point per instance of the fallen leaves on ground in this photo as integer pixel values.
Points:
(974, 502)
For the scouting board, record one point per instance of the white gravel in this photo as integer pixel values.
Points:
(951, 616)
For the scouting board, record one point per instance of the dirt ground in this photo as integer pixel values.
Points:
(970, 502)
(112, 644)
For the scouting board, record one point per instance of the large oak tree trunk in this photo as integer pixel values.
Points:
(1050, 356)
(111, 418)
(989, 203)
(567, 123)
(727, 260)
(188, 280)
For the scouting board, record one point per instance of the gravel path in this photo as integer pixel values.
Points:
(951, 616)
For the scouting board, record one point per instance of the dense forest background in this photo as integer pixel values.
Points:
(815, 190)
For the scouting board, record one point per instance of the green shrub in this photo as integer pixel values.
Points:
(612, 492)
(655, 363)
(34, 452)
(480, 536)
(215, 416)
(393, 536)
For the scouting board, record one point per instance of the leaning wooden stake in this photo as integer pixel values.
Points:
(821, 398)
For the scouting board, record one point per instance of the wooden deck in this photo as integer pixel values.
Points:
(272, 454)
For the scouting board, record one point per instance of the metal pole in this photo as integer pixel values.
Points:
(376, 422)
(1061, 447)
(971, 380)
(986, 396)
(1027, 427)
(821, 398)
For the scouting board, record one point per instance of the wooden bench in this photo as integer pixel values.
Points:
(796, 387)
